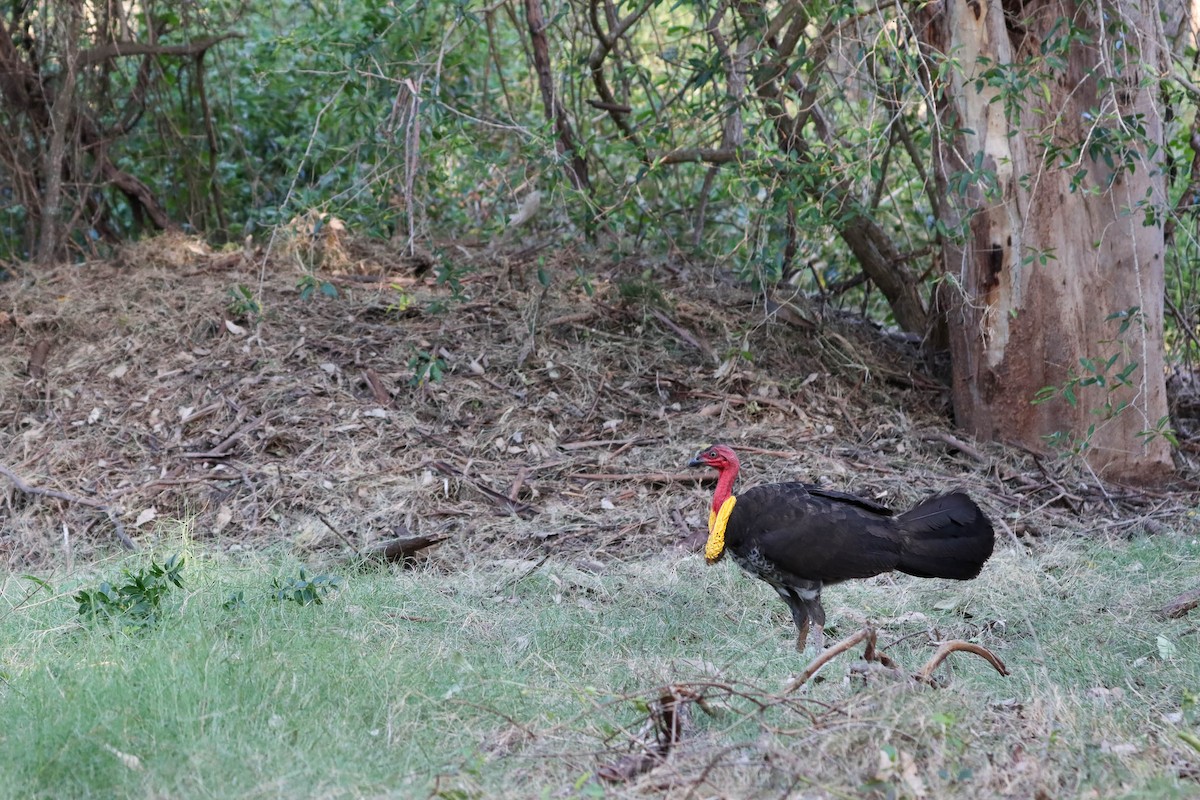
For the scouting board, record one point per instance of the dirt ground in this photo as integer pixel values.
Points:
(565, 398)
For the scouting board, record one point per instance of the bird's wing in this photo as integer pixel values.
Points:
(846, 497)
(819, 536)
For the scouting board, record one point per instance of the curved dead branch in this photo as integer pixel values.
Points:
(870, 654)
(958, 646)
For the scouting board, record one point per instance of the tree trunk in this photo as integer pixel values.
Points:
(577, 169)
(55, 156)
(1055, 285)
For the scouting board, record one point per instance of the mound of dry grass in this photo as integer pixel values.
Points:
(535, 402)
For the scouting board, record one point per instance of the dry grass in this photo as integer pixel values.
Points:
(154, 397)
(518, 678)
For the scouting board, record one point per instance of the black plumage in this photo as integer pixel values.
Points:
(799, 538)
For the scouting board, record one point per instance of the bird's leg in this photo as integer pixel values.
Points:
(801, 612)
(816, 612)
(802, 634)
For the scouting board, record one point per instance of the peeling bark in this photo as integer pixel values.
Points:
(1043, 265)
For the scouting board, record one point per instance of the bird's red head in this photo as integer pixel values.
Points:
(721, 458)
(718, 456)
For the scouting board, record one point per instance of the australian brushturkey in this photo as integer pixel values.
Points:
(799, 537)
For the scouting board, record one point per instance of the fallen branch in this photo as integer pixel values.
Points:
(608, 442)
(571, 319)
(957, 646)
(683, 333)
(222, 449)
(953, 441)
(25, 487)
(401, 550)
(1179, 605)
(161, 484)
(28, 489)
(515, 506)
(734, 400)
(642, 477)
(867, 634)
(670, 719)
(871, 654)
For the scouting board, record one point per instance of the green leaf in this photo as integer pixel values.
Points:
(1043, 394)
(1166, 648)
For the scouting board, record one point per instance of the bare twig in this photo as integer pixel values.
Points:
(867, 634)
(641, 477)
(683, 333)
(669, 720)
(608, 442)
(958, 646)
(515, 506)
(222, 449)
(1179, 605)
(871, 654)
(1180, 320)
(321, 515)
(958, 444)
(25, 487)
(28, 489)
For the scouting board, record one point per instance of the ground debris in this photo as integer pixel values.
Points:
(546, 416)
(872, 655)
(1180, 605)
(668, 722)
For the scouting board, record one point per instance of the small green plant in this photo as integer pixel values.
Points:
(584, 281)
(402, 302)
(305, 590)
(136, 602)
(310, 284)
(234, 601)
(1161, 428)
(1109, 374)
(450, 275)
(242, 302)
(426, 368)
(642, 290)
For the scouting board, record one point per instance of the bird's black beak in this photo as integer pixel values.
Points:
(697, 462)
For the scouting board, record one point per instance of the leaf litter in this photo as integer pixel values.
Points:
(494, 403)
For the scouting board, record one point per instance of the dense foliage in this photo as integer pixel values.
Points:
(767, 136)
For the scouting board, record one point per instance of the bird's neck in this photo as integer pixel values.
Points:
(724, 487)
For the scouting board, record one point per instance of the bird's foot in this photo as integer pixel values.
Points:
(813, 642)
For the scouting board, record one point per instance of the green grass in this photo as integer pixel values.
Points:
(501, 681)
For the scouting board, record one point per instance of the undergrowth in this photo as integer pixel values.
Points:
(514, 678)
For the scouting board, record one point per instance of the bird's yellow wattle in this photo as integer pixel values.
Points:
(717, 520)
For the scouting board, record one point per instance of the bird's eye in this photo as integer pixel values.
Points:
(712, 453)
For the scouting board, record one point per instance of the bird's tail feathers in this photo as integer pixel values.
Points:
(946, 536)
